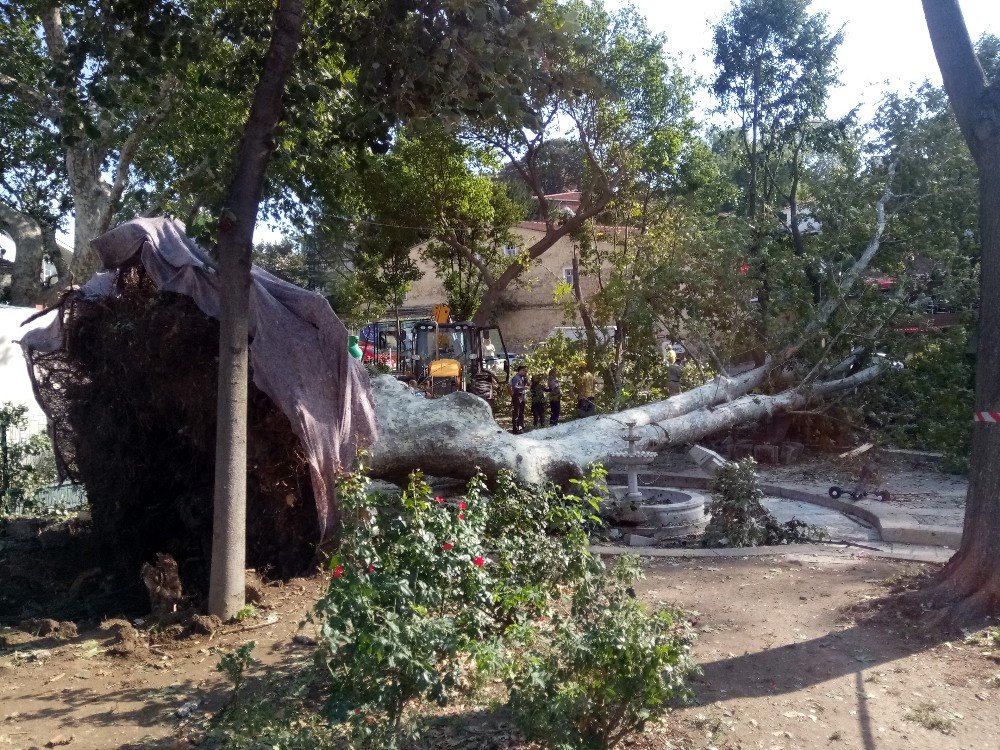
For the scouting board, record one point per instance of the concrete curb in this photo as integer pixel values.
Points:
(893, 525)
(913, 554)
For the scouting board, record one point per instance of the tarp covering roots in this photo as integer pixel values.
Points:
(127, 373)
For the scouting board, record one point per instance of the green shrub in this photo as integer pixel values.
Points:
(928, 404)
(25, 465)
(429, 598)
(422, 586)
(738, 517)
(273, 714)
(605, 670)
(236, 663)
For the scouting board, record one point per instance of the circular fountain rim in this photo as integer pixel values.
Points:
(694, 500)
(624, 457)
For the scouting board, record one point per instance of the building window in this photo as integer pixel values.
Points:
(510, 251)
(568, 275)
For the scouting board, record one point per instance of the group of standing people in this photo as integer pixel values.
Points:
(545, 395)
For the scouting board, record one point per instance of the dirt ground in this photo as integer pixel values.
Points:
(791, 659)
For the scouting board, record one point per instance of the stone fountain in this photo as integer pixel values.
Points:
(632, 459)
(649, 514)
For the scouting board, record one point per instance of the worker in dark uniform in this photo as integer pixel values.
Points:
(518, 395)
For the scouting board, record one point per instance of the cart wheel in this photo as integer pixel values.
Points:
(835, 492)
(884, 496)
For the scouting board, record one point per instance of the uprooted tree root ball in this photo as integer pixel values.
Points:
(132, 398)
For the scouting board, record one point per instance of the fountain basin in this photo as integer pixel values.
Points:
(638, 458)
(661, 511)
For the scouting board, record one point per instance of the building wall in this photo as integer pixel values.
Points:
(15, 383)
(529, 310)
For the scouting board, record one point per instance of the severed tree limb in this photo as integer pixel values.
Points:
(828, 308)
(455, 435)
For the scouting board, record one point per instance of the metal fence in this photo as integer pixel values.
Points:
(57, 498)
(33, 425)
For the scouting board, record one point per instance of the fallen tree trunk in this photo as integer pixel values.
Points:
(456, 435)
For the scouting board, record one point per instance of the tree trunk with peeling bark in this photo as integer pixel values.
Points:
(969, 586)
(88, 157)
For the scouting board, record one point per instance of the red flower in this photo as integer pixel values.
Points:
(338, 571)
(371, 568)
(447, 546)
(461, 516)
(439, 499)
(479, 561)
(462, 505)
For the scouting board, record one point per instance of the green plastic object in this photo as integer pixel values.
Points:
(353, 348)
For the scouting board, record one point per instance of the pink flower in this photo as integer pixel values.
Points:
(338, 571)
(439, 499)
(462, 505)
(461, 516)
(371, 568)
(447, 546)
(479, 561)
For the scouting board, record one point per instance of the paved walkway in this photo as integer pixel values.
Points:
(928, 506)
(838, 526)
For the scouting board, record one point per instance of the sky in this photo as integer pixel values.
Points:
(886, 48)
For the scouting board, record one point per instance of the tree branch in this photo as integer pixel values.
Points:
(851, 277)
(31, 96)
(131, 145)
(205, 165)
(455, 244)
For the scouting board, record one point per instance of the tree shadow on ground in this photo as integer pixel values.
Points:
(887, 629)
(142, 706)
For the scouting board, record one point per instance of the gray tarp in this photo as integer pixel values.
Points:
(298, 346)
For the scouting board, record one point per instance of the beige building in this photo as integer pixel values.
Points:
(529, 312)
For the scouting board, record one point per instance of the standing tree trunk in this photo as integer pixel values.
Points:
(970, 583)
(29, 244)
(91, 209)
(227, 578)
